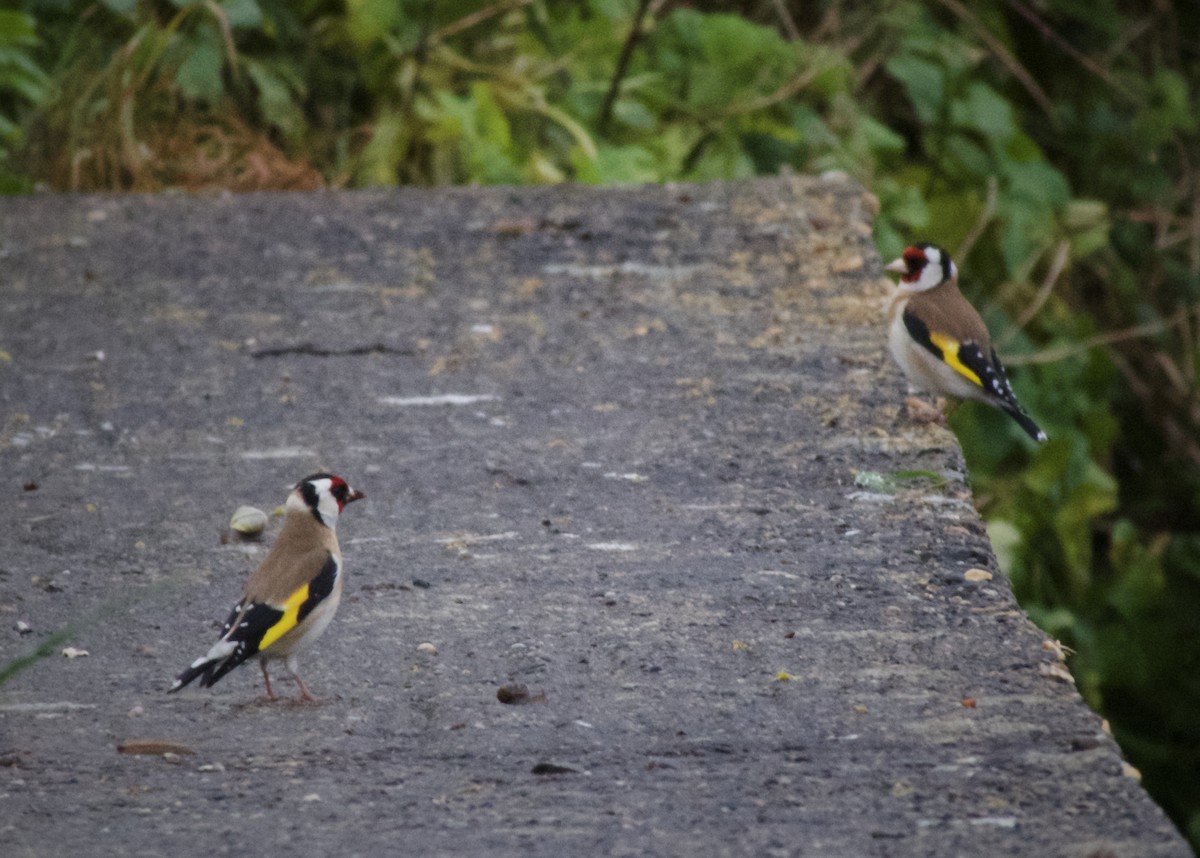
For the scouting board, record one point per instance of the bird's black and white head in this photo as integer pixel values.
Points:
(324, 496)
(923, 266)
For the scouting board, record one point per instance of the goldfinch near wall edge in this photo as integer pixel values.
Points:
(940, 340)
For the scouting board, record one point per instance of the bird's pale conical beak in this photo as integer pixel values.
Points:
(354, 495)
(897, 266)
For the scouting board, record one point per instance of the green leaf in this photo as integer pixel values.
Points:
(17, 28)
(378, 162)
(632, 113)
(276, 99)
(924, 83)
(615, 165)
(880, 138)
(369, 21)
(242, 14)
(199, 75)
(968, 156)
(1037, 183)
(120, 7)
(985, 111)
(896, 481)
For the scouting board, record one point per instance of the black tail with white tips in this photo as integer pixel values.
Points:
(203, 669)
(1002, 389)
(1025, 422)
(227, 653)
(208, 669)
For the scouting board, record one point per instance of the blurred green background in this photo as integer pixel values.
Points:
(1051, 145)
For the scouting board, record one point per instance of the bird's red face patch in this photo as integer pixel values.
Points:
(916, 260)
(342, 492)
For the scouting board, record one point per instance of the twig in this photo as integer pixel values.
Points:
(614, 86)
(784, 92)
(981, 222)
(477, 17)
(226, 35)
(1043, 294)
(1070, 50)
(1063, 352)
(1003, 55)
(1177, 438)
(790, 31)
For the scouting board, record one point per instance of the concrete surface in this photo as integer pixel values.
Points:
(631, 449)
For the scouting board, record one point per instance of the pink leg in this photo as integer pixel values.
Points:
(267, 679)
(304, 695)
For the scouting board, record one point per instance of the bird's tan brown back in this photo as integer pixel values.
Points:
(944, 310)
(298, 555)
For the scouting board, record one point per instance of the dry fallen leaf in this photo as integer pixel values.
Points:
(1056, 671)
(157, 747)
(977, 575)
(1060, 650)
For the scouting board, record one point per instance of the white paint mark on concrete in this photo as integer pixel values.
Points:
(995, 821)
(612, 546)
(279, 453)
(477, 537)
(870, 497)
(637, 269)
(62, 706)
(439, 399)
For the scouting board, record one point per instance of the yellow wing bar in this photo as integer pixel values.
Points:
(949, 348)
(291, 616)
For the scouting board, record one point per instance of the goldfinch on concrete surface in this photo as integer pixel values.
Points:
(289, 600)
(939, 339)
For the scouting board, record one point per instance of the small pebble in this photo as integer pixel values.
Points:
(72, 652)
(427, 648)
(23, 627)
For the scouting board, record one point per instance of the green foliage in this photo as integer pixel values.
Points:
(22, 84)
(1051, 147)
(387, 92)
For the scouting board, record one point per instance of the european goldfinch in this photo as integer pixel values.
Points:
(939, 339)
(290, 599)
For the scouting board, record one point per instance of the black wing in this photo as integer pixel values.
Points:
(254, 626)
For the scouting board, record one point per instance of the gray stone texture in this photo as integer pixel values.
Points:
(614, 445)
